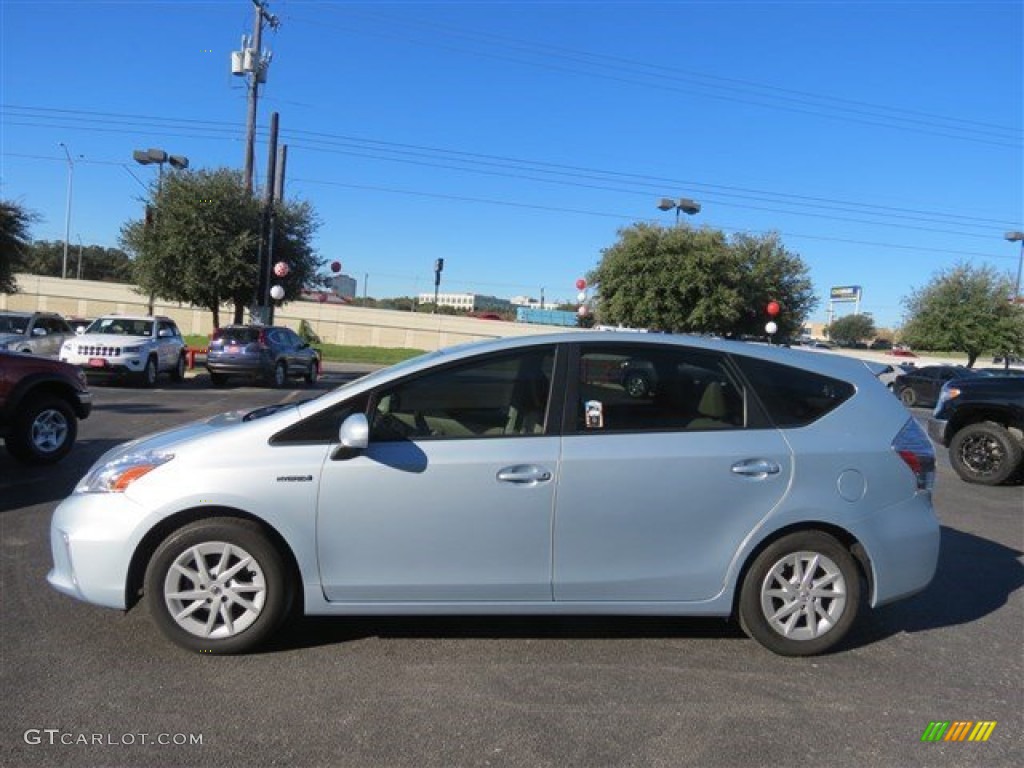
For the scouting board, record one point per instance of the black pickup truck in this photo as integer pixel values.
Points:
(981, 420)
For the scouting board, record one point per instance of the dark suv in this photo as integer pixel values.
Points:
(41, 401)
(272, 353)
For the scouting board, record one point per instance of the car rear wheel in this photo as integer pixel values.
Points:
(217, 586)
(43, 432)
(178, 373)
(908, 396)
(801, 595)
(314, 372)
(985, 453)
(636, 385)
(218, 379)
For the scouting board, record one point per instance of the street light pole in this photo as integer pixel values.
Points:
(684, 204)
(159, 157)
(67, 214)
(1017, 237)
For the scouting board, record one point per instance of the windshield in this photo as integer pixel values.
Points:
(121, 326)
(13, 324)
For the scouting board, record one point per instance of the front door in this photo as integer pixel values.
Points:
(453, 499)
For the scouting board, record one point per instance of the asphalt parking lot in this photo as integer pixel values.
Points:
(86, 686)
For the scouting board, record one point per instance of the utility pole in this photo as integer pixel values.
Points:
(67, 215)
(252, 63)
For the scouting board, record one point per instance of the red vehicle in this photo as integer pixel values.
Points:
(41, 401)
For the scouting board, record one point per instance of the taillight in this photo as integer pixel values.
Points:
(263, 339)
(914, 447)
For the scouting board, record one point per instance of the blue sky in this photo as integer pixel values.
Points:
(883, 140)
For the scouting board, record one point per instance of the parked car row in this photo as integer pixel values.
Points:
(42, 398)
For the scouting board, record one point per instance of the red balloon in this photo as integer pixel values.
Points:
(773, 308)
(335, 266)
(581, 284)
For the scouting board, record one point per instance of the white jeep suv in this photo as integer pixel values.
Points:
(137, 346)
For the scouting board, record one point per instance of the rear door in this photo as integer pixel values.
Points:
(659, 486)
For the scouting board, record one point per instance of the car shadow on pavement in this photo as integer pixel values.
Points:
(975, 577)
(314, 631)
(28, 485)
(948, 601)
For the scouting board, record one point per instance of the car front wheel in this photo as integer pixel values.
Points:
(801, 595)
(43, 432)
(149, 373)
(217, 586)
(985, 453)
(314, 372)
(280, 375)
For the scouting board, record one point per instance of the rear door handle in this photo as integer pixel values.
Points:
(524, 474)
(756, 468)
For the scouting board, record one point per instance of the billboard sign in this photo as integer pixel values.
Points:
(845, 293)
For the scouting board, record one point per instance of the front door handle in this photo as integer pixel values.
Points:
(756, 468)
(524, 474)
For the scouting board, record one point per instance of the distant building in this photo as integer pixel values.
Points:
(468, 302)
(343, 286)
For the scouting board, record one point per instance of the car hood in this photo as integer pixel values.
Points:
(165, 441)
(109, 340)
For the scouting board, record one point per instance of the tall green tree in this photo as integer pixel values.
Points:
(15, 220)
(965, 309)
(112, 265)
(200, 241)
(851, 329)
(698, 280)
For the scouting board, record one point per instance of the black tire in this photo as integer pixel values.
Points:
(279, 377)
(765, 593)
(908, 397)
(178, 372)
(219, 379)
(985, 453)
(218, 543)
(149, 374)
(314, 372)
(43, 432)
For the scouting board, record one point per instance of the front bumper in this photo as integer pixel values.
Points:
(92, 539)
(120, 366)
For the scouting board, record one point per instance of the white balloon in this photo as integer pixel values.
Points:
(582, 296)
(771, 328)
(277, 293)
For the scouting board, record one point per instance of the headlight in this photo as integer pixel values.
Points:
(66, 346)
(131, 350)
(115, 476)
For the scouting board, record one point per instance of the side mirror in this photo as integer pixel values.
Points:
(354, 436)
(80, 330)
(38, 331)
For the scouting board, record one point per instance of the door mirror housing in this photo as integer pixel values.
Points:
(354, 436)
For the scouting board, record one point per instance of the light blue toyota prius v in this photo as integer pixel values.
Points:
(577, 473)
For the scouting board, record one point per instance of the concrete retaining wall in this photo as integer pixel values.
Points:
(334, 324)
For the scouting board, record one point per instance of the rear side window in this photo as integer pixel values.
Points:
(792, 396)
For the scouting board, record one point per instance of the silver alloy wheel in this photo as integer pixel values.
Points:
(803, 595)
(49, 430)
(215, 590)
(280, 375)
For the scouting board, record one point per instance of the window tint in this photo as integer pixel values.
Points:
(239, 335)
(648, 388)
(321, 427)
(494, 397)
(793, 396)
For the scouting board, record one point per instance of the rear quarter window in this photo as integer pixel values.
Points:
(793, 397)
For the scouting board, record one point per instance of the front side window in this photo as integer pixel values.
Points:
(651, 388)
(499, 396)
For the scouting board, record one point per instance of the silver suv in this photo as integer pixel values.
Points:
(128, 345)
(37, 333)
